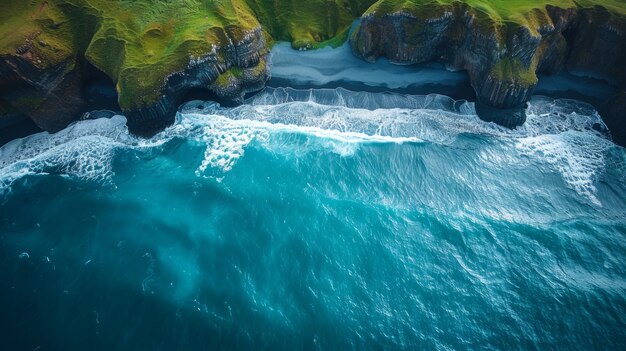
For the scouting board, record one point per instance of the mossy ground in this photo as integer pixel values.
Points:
(36, 24)
(498, 10)
(498, 18)
(307, 23)
(140, 43)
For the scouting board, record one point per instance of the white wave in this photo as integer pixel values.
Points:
(568, 135)
(36, 144)
(225, 142)
(577, 156)
(434, 118)
(84, 150)
(350, 116)
(341, 97)
(345, 118)
(553, 116)
(337, 119)
(226, 139)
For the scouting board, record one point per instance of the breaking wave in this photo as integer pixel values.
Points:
(568, 135)
(321, 219)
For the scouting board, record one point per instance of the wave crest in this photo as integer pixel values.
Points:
(566, 134)
(84, 150)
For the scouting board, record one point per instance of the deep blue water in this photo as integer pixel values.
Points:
(317, 220)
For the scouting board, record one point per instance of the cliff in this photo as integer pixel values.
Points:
(155, 52)
(502, 45)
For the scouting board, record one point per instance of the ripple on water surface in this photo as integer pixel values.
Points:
(318, 219)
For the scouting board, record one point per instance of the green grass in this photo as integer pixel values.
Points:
(30, 23)
(140, 43)
(498, 10)
(306, 24)
(495, 13)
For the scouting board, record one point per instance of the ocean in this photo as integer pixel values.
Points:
(317, 219)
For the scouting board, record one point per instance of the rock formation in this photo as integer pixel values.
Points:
(502, 58)
(156, 51)
(153, 51)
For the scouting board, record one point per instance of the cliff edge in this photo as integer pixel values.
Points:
(155, 52)
(502, 45)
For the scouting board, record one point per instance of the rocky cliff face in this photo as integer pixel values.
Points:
(502, 58)
(53, 96)
(228, 72)
(153, 52)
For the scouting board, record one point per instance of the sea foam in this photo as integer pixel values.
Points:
(84, 150)
(567, 135)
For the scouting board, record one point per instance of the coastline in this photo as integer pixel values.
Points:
(330, 68)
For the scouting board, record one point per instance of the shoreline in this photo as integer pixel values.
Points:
(331, 68)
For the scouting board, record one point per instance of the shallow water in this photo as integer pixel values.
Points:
(320, 219)
(327, 65)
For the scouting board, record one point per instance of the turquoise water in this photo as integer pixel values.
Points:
(317, 219)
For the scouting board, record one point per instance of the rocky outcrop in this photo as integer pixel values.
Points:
(228, 72)
(43, 71)
(614, 115)
(153, 52)
(502, 58)
(51, 96)
(598, 45)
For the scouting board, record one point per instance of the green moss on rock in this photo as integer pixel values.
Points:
(142, 44)
(139, 44)
(306, 24)
(512, 70)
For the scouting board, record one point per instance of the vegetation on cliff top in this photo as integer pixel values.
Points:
(307, 23)
(497, 19)
(140, 43)
(498, 10)
(493, 15)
